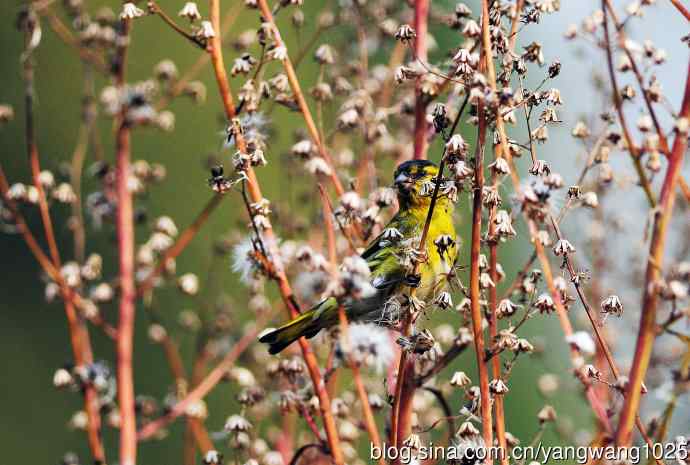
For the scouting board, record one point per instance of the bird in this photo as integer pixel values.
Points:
(390, 259)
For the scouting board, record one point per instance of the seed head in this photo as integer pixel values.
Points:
(612, 305)
(131, 11)
(405, 33)
(563, 247)
(460, 379)
(188, 283)
(206, 31)
(546, 414)
(190, 10)
(213, 457)
(545, 304)
(498, 387)
(236, 424)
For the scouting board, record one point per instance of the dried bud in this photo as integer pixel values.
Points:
(405, 33)
(498, 387)
(546, 414)
(460, 379)
(612, 305)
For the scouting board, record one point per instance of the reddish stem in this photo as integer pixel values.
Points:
(215, 49)
(125, 242)
(646, 333)
(475, 294)
(681, 9)
(125, 332)
(81, 345)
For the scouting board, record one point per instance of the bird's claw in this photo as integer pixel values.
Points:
(413, 280)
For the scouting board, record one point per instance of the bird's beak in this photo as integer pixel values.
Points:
(403, 182)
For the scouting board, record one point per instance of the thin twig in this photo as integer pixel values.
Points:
(180, 244)
(617, 101)
(79, 336)
(284, 287)
(301, 101)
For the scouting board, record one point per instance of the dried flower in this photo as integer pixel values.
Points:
(213, 457)
(131, 11)
(460, 379)
(188, 283)
(498, 387)
(206, 31)
(545, 303)
(612, 305)
(405, 33)
(563, 247)
(505, 308)
(190, 10)
(583, 342)
(444, 300)
(546, 414)
(324, 55)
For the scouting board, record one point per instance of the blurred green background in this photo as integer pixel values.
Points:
(33, 334)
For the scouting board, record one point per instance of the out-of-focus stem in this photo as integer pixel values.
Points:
(68, 38)
(421, 17)
(475, 296)
(79, 336)
(617, 101)
(125, 336)
(681, 9)
(204, 387)
(125, 242)
(646, 333)
(369, 420)
(180, 244)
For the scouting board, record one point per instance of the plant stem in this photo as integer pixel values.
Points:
(255, 193)
(421, 17)
(125, 241)
(475, 295)
(79, 336)
(647, 329)
(204, 387)
(299, 95)
(681, 9)
(617, 101)
(600, 337)
(180, 244)
(622, 39)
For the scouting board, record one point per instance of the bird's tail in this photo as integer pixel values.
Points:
(307, 324)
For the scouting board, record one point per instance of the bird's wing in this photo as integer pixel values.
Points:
(382, 257)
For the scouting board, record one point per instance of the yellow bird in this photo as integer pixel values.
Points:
(390, 258)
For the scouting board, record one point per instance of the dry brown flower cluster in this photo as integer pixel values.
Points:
(362, 384)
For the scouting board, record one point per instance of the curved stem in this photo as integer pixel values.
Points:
(269, 238)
